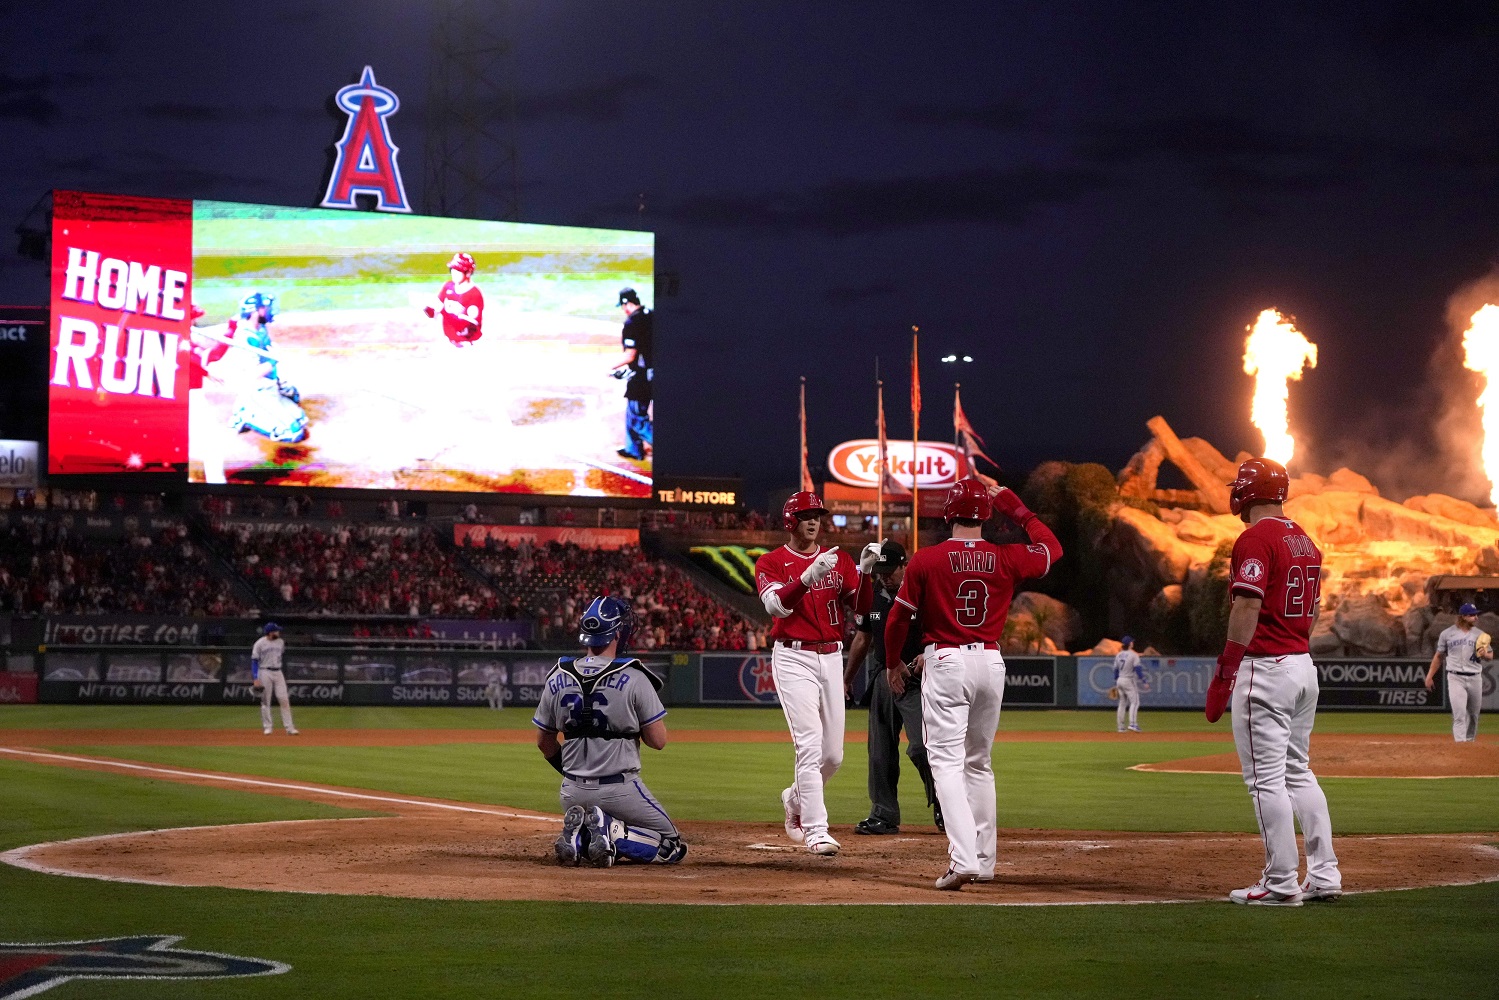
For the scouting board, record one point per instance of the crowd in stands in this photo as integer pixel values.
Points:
(354, 568)
(555, 583)
(49, 569)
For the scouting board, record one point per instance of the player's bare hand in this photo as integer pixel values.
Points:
(256, 685)
(896, 676)
(918, 664)
(1430, 683)
(868, 557)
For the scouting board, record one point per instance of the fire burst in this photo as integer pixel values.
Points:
(1275, 354)
(1481, 354)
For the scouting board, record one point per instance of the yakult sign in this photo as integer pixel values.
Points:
(936, 464)
(120, 313)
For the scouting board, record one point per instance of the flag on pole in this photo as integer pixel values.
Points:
(968, 439)
(807, 485)
(888, 483)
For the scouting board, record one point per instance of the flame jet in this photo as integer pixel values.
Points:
(1276, 353)
(1481, 354)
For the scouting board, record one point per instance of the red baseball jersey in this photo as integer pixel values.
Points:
(462, 312)
(962, 588)
(818, 616)
(1276, 561)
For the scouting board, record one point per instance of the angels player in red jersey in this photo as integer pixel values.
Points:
(1266, 667)
(961, 590)
(460, 302)
(805, 588)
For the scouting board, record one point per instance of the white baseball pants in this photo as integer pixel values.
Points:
(1129, 702)
(810, 687)
(1274, 707)
(961, 693)
(1465, 695)
(274, 682)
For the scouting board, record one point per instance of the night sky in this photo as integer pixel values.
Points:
(1093, 200)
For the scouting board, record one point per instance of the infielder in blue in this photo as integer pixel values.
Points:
(1462, 648)
(604, 706)
(1129, 680)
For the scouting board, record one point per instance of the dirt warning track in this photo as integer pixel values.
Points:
(433, 848)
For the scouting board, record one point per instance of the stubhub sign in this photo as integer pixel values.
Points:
(18, 465)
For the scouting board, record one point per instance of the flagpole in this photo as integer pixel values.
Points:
(915, 437)
(803, 473)
(879, 501)
(957, 441)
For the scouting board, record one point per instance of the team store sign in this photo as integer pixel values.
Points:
(935, 464)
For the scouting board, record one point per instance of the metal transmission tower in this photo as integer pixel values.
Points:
(472, 169)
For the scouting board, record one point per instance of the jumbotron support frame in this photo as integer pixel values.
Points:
(472, 168)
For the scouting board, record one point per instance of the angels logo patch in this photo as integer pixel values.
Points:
(31, 968)
(1252, 571)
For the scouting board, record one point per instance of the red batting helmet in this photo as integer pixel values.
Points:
(968, 499)
(462, 262)
(800, 503)
(1260, 480)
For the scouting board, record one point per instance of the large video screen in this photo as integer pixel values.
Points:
(312, 347)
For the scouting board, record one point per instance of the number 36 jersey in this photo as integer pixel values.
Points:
(962, 587)
(1276, 561)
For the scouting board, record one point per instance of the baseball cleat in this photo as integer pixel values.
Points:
(600, 845)
(266, 731)
(822, 844)
(1134, 729)
(875, 827)
(981, 879)
(293, 732)
(955, 880)
(1315, 894)
(569, 843)
(1258, 895)
(793, 817)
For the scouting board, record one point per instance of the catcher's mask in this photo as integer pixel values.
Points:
(606, 619)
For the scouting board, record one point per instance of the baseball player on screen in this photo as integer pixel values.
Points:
(1463, 648)
(961, 589)
(1129, 678)
(267, 679)
(605, 705)
(1275, 580)
(805, 588)
(460, 302)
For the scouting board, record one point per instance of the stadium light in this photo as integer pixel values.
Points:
(953, 358)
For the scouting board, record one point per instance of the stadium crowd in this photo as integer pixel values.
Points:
(52, 569)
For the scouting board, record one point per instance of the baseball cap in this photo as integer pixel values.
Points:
(628, 295)
(1126, 640)
(892, 556)
(1467, 609)
(271, 627)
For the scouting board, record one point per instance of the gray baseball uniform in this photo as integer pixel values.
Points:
(599, 707)
(265, 660)
(1464, 679)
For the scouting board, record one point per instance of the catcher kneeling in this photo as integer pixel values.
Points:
(604, 706)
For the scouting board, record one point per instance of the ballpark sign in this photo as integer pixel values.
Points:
(364, 160)
(936, 463)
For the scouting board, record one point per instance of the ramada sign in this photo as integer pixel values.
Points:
(936, 464)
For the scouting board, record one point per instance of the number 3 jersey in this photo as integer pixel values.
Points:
(962, 587)
(1276, 561)
(613, 696)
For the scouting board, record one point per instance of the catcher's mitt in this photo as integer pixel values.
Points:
(1113, 694)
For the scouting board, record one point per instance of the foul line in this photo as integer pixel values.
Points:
(1148, 768)
(262, 783)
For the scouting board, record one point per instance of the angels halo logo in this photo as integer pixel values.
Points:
(365, 158)
(29, 968)
(1251, 571)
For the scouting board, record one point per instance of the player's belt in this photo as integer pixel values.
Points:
(813, 647)
(607, 778)
(967, 645)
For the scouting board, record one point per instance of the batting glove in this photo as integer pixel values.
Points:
(820, 568)
(868, 557)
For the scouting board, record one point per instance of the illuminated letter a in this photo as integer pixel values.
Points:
(365, 161)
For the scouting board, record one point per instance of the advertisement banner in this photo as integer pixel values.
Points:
(19, 464)
(498, 634)
(1381, 684)
(511, 535)
(699, 492)
(737, 679)
(17, 689)
(935, 464)
(122, 630)
(1030, 680)
(1171, 682)
(1491, 686)
(121, 313)
(90, 524)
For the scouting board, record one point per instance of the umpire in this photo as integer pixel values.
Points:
(888, 714)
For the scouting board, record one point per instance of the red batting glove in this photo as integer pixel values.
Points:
(1221, 690)
(1008, 503)
(429, 311)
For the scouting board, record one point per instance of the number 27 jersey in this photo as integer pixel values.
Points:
(1277, 561)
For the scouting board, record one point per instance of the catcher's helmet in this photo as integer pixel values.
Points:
(271, 627)
(461, 261)
(250, 305)
(628, 295)
(798, 504)
(1261, 480)
(604, 620)
(1468, 610)
(968, 499)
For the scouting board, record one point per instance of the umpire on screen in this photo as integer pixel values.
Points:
(889, 714)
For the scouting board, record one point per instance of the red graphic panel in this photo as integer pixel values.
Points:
(121, 312)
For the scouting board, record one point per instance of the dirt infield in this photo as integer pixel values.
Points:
(439, 849)
(1367, 757)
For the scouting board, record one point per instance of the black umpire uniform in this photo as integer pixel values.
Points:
(889, 714)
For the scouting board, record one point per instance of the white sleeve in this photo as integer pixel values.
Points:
(771, 598)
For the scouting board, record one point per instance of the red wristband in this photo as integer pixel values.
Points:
(1230, 658)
